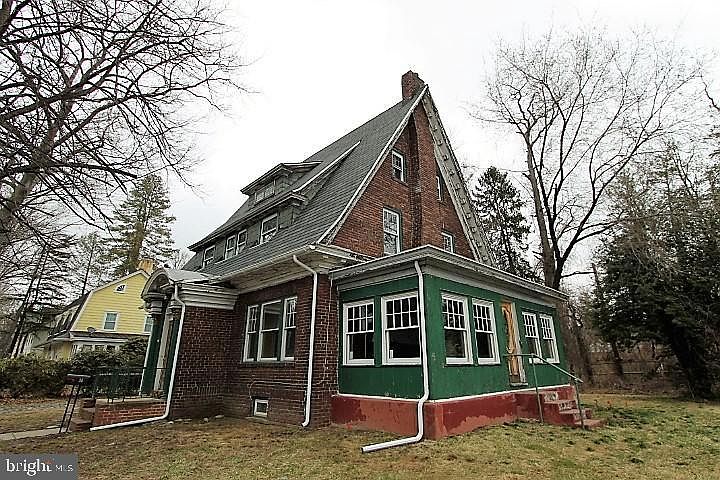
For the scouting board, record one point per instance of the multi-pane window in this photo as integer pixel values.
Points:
(208, 255)
(270, 316)
(398, 166)
(485, 337)
(265, 191)
(121, 288)
(448, 242)
(288, 343)
(251, 333)
(531, 333)
(391, 232)
(268, 228)
(230, 246)
(359, 333)
(241, 241)
(439, 187)
(401, 329)
(147, 328)
(457, 346)
(110, 321)
(548, 338)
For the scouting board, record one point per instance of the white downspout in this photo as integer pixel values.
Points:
(172, 375)
(426, 380)
(311, 353)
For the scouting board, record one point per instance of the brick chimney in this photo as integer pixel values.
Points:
(147, 264)
(411, 83)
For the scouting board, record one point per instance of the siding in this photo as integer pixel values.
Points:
(131, 318)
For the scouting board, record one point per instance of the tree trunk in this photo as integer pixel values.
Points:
(548, 259)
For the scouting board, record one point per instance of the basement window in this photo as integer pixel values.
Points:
(401, 330)
(359, 333)
(531, 334)
(260, 407)
(457, 345)
(485, 337)
(548, 338)
(398, 166)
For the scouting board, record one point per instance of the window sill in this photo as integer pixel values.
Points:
(414, 363)
(489, 362)
(402, 182)
(359, 364)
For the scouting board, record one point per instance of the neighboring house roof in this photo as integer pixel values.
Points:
(361, 149)
(82, 301)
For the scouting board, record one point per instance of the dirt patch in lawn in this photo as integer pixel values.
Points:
(651, 438)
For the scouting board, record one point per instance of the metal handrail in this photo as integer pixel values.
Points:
(576, 380)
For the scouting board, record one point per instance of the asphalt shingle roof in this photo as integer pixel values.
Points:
(324, 208)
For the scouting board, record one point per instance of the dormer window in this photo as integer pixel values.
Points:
(208, 256)
(269, 228)
(398, 166)
(264, 192)
(241, 240)
(230, 245)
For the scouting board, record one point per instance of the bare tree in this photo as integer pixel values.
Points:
(585, 106)
(93, 94)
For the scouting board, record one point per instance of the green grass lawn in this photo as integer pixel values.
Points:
(19, 415)
(645, 438)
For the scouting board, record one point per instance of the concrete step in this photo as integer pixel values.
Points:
(563, 405)
(573, 415)
(85, 413)
(79, 425)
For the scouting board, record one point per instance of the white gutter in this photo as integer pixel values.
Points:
(311, 353)
(426, 380)
(172, 375)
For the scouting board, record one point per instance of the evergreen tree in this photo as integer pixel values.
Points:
(660, 269)
(499, 207)
(140, 227)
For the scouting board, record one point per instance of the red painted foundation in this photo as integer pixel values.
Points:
(449, 417)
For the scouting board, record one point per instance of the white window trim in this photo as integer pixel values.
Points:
(493, 323)
(234, 249)
(555, 358)
(237, 241)
(285, 328)
(399, 155)
(117, 320)
(122, 288)
(246, 348)
(262, 227)
(452, 241)
(260, 401)
(397, 234)
(439, 188)
(386, 360)
(260, 332)
(538, 344)
(152, 324)
(468, 359)
(207, 261)
(346, 345)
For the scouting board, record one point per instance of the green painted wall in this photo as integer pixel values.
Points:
(445, 380)
(459, 380)
(388, 381)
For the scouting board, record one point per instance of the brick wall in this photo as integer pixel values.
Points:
(109, 413)
(284, 383)
(202, 363)
(424, 217)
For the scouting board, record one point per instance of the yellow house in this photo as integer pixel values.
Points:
(104, 318)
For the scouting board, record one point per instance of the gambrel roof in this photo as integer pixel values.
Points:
(342, 170)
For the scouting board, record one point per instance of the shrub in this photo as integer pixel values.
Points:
(31, 375)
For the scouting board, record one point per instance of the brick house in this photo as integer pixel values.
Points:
(355, 287)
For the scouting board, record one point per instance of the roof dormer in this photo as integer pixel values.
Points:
(276, 180)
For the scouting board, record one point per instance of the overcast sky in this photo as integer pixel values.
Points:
(321, 68)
